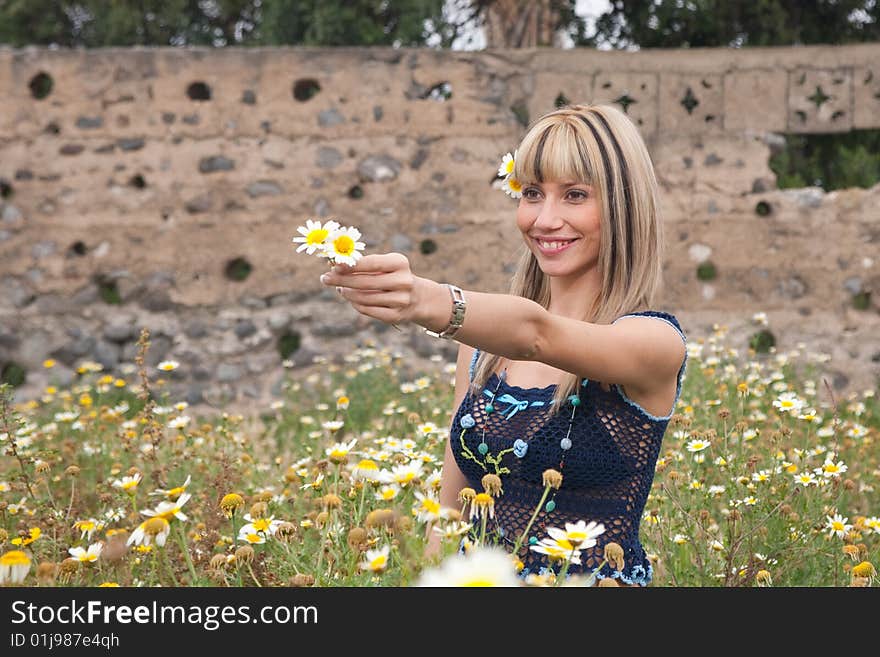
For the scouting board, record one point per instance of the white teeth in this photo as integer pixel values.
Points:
(553, 245)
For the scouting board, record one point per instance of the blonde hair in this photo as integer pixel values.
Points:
(600, 146)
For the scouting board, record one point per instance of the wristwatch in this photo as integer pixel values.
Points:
(459, 305)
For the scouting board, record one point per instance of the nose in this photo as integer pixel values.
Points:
(549, 218)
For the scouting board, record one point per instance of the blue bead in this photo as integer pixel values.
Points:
(533, 540)
(520, 447)
(575, 400)
(565, 443)
(550, 506)
(483, 449)
(467, 421)
(489, 407)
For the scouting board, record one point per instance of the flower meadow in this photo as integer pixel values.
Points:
(765, 478)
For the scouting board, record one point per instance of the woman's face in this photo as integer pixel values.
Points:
(560, 223)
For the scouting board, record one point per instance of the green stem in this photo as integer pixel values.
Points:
(525, 533)
(181, 537)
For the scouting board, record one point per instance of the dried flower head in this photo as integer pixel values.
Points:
(357, 539)
(380, 518)
(492, 484)
(231, 503)
(301, 580)
(466, 494)
(552, 478)
(245, 554)
(608, 582)
(614, 555)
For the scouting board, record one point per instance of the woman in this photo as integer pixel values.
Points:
(571, 371)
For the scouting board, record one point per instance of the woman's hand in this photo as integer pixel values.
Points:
(381, 286)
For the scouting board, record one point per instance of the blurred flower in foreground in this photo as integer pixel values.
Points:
(14, 567)
(481, 566)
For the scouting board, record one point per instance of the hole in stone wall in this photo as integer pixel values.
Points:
(440, 91)
(861, 300)
(561, 100)
(689, 101)
(13, 374)
(137, 181)
(305, 88)
(356, 192)
(52, 128)
(762, 341)
(521, 112)
(238, 269)
(41, 85)
(706, 271)
(6, 189)
(198, 91)
(288, 343)
(625, 101)
(108, 290)
(763, 208)
(836, 160)
(78, 248)
(427, 247)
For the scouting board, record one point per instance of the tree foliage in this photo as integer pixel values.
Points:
(98, 23)
(720, 23)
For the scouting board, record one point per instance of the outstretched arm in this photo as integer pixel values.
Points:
(635, 351)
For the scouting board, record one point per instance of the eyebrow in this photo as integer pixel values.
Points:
(565, 185)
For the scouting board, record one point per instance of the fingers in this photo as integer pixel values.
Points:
(385, 281)
(380, 262)
(376, 298)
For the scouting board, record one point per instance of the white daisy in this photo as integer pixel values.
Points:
(481, 566)
(506, 167)
(837, 525)
(314, 235)
(512, 187)
(343, 246)
(376, 560)
(87, 556)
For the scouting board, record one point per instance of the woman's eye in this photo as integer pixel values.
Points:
(578, 195)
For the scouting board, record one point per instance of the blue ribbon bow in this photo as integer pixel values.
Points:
(514, 405)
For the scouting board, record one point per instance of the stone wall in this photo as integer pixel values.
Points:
(160, 188)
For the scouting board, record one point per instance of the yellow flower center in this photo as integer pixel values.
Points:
(837, 526)
(155, 525)
(379, 562)
(261, 525)
(367, 464)
(317, 236)
(253, 538)
(175, 492)
(514, 184)
(478, 582)
(343, 245)
(431, 506)
(15, 558)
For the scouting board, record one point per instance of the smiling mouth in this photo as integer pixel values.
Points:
(553, 246)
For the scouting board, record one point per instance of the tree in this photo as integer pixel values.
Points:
(350, 22)
(714, 23)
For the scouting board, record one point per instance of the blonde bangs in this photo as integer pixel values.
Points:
(546, 155)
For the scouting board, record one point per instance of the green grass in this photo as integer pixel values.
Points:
(60, 468)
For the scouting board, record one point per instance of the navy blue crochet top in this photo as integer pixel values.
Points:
(608, 469)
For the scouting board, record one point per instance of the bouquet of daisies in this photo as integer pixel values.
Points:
(339, 244)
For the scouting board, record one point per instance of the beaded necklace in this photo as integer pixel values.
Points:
(519, 448)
